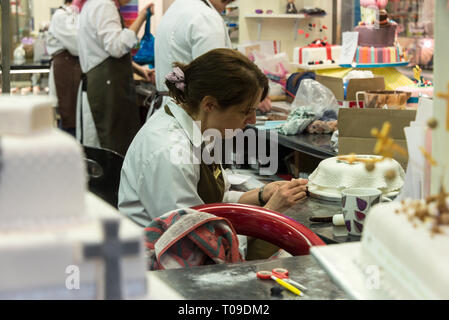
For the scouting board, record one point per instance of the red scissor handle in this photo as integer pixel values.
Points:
(277, 272)
(280, 273)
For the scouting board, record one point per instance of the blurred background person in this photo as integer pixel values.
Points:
(187, 30)
(107, 108)
(65, 74)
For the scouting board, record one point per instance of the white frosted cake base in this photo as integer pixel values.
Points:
(398, 258)
(333, 176)
(408, 249)
(340, 262)
(42, 179)
(37, 258)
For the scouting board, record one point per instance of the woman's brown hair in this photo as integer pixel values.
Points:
(225, 74)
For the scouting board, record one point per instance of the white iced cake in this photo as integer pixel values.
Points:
(317, 53)
(409, 242)
(53, 242)
(333, 175)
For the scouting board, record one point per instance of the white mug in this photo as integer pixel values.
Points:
(356, 203)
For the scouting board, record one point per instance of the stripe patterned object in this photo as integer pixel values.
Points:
(372, 55)
(386, 55)
(380, 57)
(392, 54)
(187, 238)
(130, 12)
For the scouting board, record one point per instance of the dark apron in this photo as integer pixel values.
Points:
(211, 185)
(113, 102)
(67, 74)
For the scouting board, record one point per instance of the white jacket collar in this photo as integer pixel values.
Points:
(190, 127)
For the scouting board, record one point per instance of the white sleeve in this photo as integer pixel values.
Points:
(165, 186)
(66, 31)
(207, 32)
(116, 40)
(230, 196)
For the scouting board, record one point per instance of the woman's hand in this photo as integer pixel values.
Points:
(141, 18)
(150, 6)
(146, 73)
(285, 194)
(270, 189)
(265, 105)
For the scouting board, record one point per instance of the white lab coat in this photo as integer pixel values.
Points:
(187, 30)
(62, 35)
(63, 31)
(152, 183)
(100, 35)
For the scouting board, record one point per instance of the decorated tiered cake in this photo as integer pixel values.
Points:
(333, 175)
(377, 42)
(57, 241)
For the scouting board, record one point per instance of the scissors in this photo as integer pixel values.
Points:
(279, 273)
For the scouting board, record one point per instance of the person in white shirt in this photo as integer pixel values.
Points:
(65, 74)
(107, 110)
(219, 90)
(188, 29)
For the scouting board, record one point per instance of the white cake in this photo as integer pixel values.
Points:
(47, 218)
(411, 252)
(316, 55)
(333, 176)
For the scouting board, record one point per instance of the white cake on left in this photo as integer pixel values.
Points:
(48, 219)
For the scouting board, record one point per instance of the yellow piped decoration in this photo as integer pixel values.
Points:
(385, 145)
(417, 71)
(428, 156)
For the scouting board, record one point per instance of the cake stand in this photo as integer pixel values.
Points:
(375, 65)
(333, 197)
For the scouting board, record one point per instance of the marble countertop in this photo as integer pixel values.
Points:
(238, 281)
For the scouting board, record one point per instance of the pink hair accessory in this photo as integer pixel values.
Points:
(177, 77)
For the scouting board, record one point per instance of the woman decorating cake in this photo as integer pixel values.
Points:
(219, 90)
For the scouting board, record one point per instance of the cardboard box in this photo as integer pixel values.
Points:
(354, 126)
(354, 85)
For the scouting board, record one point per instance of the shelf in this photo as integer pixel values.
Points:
(276, 16)
(27, 71)
(295, 17)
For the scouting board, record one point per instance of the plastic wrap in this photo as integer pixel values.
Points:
(313, 102)
(275, 67)
(315, 98)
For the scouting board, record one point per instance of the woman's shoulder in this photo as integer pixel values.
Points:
(160, 134)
